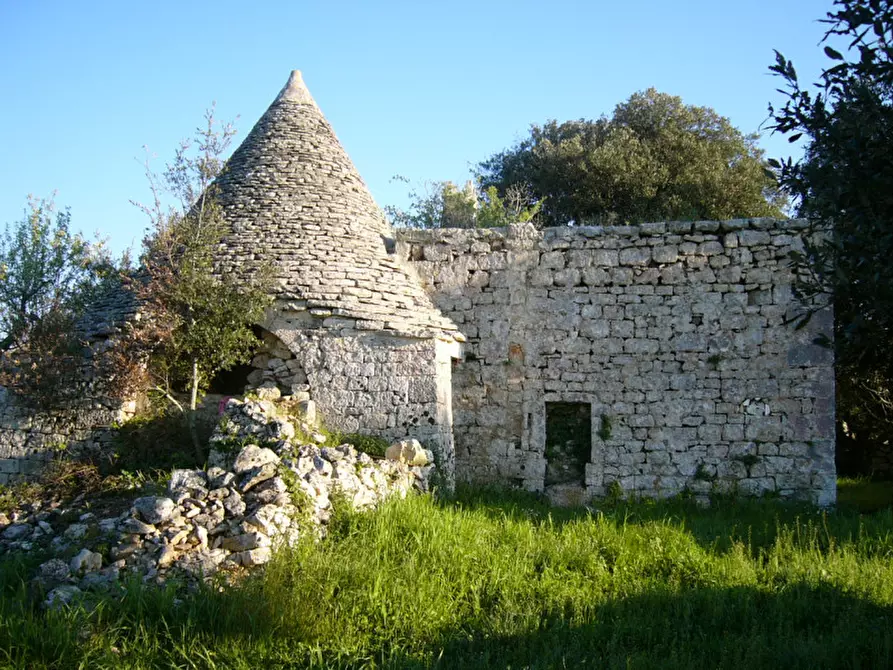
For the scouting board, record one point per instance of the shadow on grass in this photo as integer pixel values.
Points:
(864, 495)
(439, 597)
(755, 522)
(159, 441)
(801, 627)
(795, 625)
(741, 627)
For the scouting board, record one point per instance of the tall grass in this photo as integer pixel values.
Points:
(494, 580)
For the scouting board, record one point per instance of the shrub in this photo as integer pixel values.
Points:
(158, 440)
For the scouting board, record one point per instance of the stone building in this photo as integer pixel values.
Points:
(648, 359)
(351, 327)
(81, 421)
(655, 358)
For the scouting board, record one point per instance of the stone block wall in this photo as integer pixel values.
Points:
(30, 439)
(373, 383)
(378, 384)
(675, 336)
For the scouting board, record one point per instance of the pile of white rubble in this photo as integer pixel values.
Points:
(263, 487)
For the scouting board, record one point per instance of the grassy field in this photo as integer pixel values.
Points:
(497, 580)
(864, 494)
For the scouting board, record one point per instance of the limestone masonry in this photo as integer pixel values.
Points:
(29, 439)
(356, 329)
(671, 339)
(580, 361)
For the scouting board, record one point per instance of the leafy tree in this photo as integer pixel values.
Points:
(198, 323)
(44, 268)
(654, 159)
(48, 277)
(441, 204)
(494, 210)
(425, 207)
(844, 186)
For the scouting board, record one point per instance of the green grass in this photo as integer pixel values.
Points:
(499, 580)
(864, 494)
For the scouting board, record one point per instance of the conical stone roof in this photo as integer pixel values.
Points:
(294, 199)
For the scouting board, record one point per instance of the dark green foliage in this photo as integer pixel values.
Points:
(748, 460)
(655, 159)
(45, 269)
(60, 479)
(362, 442)
(303, 505)
(44, 371)
(48, 277)
(703, 474)
(440, 204)
(614, 493)
(64, 479)
(159, 440)
(844, 185)
(605, 426)
(199, 322)
(864, 495)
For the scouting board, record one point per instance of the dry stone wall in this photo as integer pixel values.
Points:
(264, 488)
(29, 439)
(674, 338)
(377, 384)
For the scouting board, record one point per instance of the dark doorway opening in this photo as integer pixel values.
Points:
(568, 442)
(231, 381)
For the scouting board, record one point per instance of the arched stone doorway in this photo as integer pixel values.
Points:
(272, 363)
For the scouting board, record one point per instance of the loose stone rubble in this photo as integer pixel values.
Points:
(263, 489)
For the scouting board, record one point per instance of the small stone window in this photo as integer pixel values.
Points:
(568, 442)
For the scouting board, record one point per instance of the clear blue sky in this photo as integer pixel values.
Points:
(416, 88)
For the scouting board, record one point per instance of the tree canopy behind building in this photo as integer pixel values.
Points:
(45, 268)
(654, 159)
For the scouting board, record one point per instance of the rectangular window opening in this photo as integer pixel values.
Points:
(568, 442)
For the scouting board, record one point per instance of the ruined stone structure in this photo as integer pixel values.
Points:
(29, 438)
(658, 356)
(648, 359)
(355, 330)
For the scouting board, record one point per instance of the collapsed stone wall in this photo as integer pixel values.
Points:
(264, 488)
(29, 439)
(673, 337)
(87, 409)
